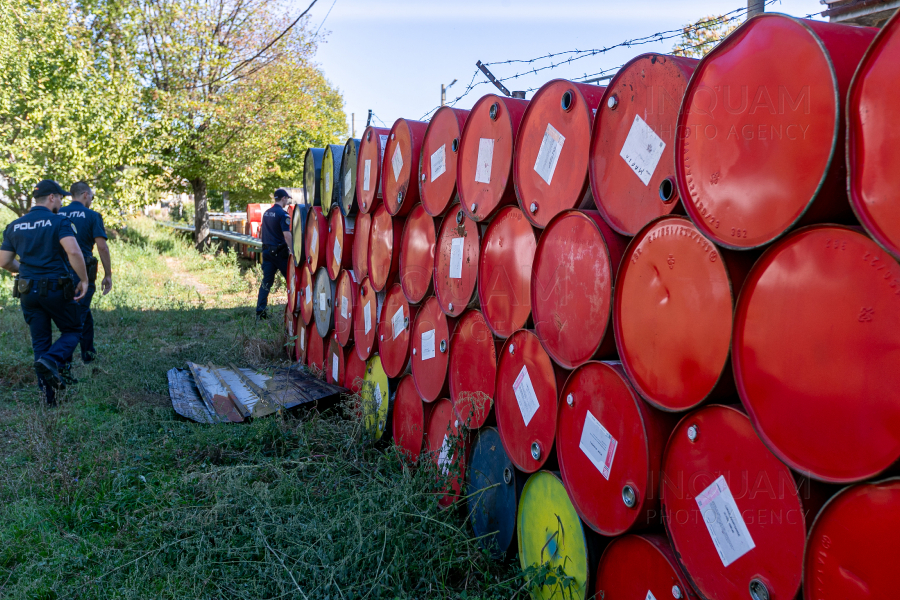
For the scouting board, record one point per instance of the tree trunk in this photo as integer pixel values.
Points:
(201, 214)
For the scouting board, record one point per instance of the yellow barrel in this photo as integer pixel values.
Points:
(376, 400)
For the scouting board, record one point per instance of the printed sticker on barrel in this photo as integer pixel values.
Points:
(525, 396)
(438, 162)
(642, 149)
(337, 252)
(456, 257)
(724, 522)
(322, 301)
(328, 180)
(428, 344)
(367, 173)
(485, 160)
(650, 595)
(397, 162)
(347, 182)
(444, 455)
(548, 155)
(378, 398)
(308, 294)
(334, 367)
(383, 140)
(398, 323)
(303, 338)
(315, 238)
(598, 444)
(345, 306)
(367, 316)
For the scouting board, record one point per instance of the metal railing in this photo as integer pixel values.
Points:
(230, 236)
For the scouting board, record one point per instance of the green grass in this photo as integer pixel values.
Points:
(112, 496)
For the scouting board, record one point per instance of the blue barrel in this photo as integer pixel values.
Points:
(494, 487)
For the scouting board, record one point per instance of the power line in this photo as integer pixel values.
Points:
(325, 19)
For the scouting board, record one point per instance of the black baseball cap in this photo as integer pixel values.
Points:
(282, 193)
(47, 187)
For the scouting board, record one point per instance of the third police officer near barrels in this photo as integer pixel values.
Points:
(277, 245)
(43, 240)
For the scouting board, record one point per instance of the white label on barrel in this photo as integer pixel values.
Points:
(724, 522)
(650, 595)
(398, 323)
(328, 181)
(303, 338)
(485, 160)
(367, 317)
(344, 307)
(383, 140)
(598, 444)
(337, 252)
(353, 275)
(308, 294)
(428, 344)
(322, 305)
(334, 367)
(347, 181)
(548, 155)
(315, 238)
(456, 257)
(367, 174)
(378, 398)
(642, 149)
(439, 162)
(397, 162)
(525, 396)
(444, 456)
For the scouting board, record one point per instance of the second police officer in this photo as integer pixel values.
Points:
(277, 245)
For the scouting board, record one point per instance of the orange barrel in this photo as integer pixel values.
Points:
(397, 317)
(336, 361)
(409, 419)
(550, 164)
(572, 285)
(365, 319)
(305, 295)
(348, 204)
(315, 353)
(354, 370)
(312, 175)
(760, 135)
(430, 350)
(631, 164)
(484, 176)
(437, 165)
(456, 263)
(368, 168)
(345, 298)
(361, 245)
(400, 166)
(417, 255)
(384, 248)
(642, 567)
(473, 369)
(302, 342)
(316, 239)
(339, 247)
(447, 448)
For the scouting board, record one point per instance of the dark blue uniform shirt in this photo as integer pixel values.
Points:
(275, 222)
(35, 239)
(88, 225)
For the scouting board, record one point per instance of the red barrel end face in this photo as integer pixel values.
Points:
(456, 262)
(630, 185)
(384, 254)
(292, 285)
(368, 167)
(816, 341)
(302, 344)
(305, 295)
(473, 369)
(731, 508)
(417, 255)
(758, 136)
(408, 420)
(354, 371)
(551, 154)
(361, 245)
(339, 247)
(365, 319)
(316, 238)
(873, 155)
(447, 448)
(346, 295)
(400, 166)
(484, 169)
(430, 350)
(526, 401)
(504, 272)
(335, 363)
(672, 314)
(641, 567)
(437, 166)
(315, 354)
(852, 549)
(393, 332)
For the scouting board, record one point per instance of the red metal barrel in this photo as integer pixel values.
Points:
(384, 248)
(816, 341)
(409, 419)
(447, 448)
(430, 350)
(302, 342)
(290, 333)
(484, 176)
(336, 362)
(397, 317)
(760, 137)
(346, 295)
(610, 445)
(354, 371)
(365, 319)
(631, 168)
(417, 255)
(851, 553)
(873, 155)
(672, 314)
(456, 263)
(368, 167)
(437, 165)
(473, 369)
(400, 166)
(315, 352)
(641, 567)
(361, 245)
(305, 295)
(339, 247)
(572, 285)
(504, 272)
(731, 508)
(291, 281)
(525, 400)
(550, 164)
(316, 239)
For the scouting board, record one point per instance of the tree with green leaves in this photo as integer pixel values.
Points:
(698, 38)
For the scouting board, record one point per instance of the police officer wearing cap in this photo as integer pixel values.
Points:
(43, 241)
(89, 230)
(277, 246)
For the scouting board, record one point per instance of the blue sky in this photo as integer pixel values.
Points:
(391, 56)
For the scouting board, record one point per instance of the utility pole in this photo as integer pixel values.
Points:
(444, 89)
(353, 125)
(755, 7)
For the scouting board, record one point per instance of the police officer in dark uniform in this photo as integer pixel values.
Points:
(89, 230)
(277, 246)
(44, 240)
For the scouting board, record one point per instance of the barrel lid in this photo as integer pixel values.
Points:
(551, 154)
(731, 508)
(672, 314)
(365, 319)
(873, 155)
(312, 173)
(641, 566)
(346, 294)
(473, 369)
(430, 346)
(400, 165)
(334, 362)
(376, 400)
(368, 167)
(347, 181)
(408, 420)
(437, 166)
(331, 171)
(323, 303)
(630, 187)
(551, 533)
(456, 262)
(298, 228)
(361, 245)
(315, 352)
(417, 255)
(316, 238)
(354, 371)
(492, 491)
(291, 281)
(816, 336)
(305, 295)
(504, 271)
(526, 398)
(340, 242)
(393, 332)
(381, 248)
(446, 447)
(484, 167)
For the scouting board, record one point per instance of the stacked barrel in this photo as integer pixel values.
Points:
(641, 323)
